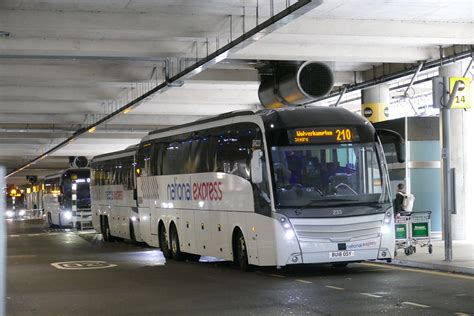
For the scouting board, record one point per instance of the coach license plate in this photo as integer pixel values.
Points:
(341, 254)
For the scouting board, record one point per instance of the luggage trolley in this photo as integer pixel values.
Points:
(402, 234)
(420, 230)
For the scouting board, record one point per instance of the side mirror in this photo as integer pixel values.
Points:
(256, 166)
(390, 138)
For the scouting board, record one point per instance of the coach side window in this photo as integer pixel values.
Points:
(234, 150)
(175, 157)
(198, 155)
(144, 160)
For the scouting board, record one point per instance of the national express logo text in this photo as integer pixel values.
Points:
(200, 191)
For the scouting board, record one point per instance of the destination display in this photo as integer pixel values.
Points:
(319, 135)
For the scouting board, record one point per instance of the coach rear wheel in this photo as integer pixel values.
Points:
(132, 233)
(163, 240)
(175, 249)
(241, 252)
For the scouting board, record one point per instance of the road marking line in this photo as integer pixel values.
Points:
(415, 304)
(303, 281)
(82, 265)
(21, 256)
(371, 295)
(14, 235)
(276, 275)
(461, 314)
(334, 287)
(447, 274)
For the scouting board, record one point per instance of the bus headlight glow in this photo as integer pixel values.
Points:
(10, 214)
(385, 229)
(289, 234)
(134, 218)
(22, 213)
(67, 215)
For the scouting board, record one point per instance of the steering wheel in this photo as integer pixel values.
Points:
(345, 186)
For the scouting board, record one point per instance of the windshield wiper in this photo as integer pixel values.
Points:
(323, 201)
(328, 202)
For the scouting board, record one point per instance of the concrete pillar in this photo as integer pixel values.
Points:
(461, 153)
(375, 103)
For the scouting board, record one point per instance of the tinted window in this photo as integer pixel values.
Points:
(175, 157)
(144, 162)
(234, 150)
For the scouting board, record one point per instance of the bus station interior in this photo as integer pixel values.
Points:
(83, 79)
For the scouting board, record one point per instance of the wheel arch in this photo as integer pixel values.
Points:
(235, 232)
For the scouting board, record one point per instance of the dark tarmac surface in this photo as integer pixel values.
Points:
(141, 283)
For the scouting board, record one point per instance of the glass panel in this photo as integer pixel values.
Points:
(327, 175)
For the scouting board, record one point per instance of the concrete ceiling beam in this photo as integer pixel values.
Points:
(100, 24)
(23, 93)
(128, 120)
(335, 53)
(100, 137)
(72, 73)
(373, 32)
(208, 7)
(95, 48)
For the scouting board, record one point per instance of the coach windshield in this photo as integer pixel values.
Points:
(325, 175)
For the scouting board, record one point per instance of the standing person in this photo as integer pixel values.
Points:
(399, 197)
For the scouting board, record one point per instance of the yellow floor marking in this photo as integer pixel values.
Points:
(371, 295)
(276, 275)
(303, 281)
(448, 274)
(334, 287)
(415, 304)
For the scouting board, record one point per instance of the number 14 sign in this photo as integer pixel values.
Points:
(462, 100)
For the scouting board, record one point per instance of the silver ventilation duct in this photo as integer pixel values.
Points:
(294, 83)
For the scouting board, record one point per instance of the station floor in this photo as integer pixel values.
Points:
(463, 258)
(58, 272)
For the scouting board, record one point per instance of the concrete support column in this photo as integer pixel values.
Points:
(459, 140)
(375, 103)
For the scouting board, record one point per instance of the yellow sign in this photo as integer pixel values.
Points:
(375, 112)
(462, 100)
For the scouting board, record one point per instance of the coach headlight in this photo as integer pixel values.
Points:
(385, 229)
(9, 214)
(67, 215)
(287, 227)
(387, 220)
(22, 213)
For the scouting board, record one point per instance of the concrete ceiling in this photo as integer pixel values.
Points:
(67, 63)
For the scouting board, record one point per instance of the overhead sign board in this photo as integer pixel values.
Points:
(462, 100)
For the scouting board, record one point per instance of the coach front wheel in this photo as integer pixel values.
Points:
(106, 232)
(241, 256)
(175, 249)
(50, 221)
